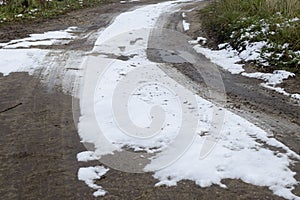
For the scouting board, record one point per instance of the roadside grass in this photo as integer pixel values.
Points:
(15, 10)
(274, 24)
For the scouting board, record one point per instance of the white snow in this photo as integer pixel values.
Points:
(242, 149)
(239, 154)
(252, 51)
(47, 38)
(201, 40)
(142, 18)
(271, 79)
(186, 25)
(296, 96)
(129, 30)
(86, 156)
(228, 59)
(21, 60)
(89, 175)
(143, 99)
(55, 67)
(225, 58)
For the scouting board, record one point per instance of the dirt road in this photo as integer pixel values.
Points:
(39, 140)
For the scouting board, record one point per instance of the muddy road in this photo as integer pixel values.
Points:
(39, 141)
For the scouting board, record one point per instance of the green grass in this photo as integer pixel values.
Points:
(15, 10)
(240, 22)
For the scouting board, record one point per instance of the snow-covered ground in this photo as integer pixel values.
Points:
(44, 39)
(55, 67)
(242, 150)
(26, 60)
(119, 79)
(186, 26)
(228, 59)
(89, 174)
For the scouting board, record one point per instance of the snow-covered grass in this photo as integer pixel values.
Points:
(270, 27)
(229, 59)
(266, 33)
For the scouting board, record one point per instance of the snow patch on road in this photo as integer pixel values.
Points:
(43, 39)
(143, 99)
(86, 156)
(89, 175)
(142, 18)
(243, 151)
(225, 58)
(54, 67)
